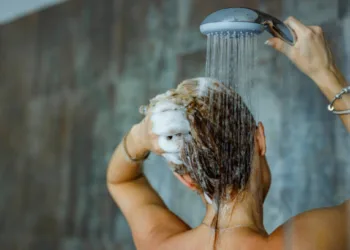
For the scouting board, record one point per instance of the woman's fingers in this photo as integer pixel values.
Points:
(316, 29)
(280, 45)
(295, 25)
(156, 147)
(310, 53)
(168, 130)
(169, 146)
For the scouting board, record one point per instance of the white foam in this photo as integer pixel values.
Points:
(173, 158)
(207, 198)
(165, 105)
(171, 145)
(170, 123)
(203, 84)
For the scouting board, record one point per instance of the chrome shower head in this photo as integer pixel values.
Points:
(245, 20)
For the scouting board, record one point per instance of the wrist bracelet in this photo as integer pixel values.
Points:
(339, 96)
(130, 158)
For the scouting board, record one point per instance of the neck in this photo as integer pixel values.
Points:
(247, 213)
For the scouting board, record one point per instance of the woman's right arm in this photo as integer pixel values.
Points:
(312, 56)
(325, 228)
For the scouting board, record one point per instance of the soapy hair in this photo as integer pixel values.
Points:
(218, 158)
(218, 155)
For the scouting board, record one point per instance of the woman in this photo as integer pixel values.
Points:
(239, 225)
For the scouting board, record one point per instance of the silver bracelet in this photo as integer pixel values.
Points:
(338, 96)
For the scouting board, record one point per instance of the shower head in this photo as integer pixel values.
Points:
(245, 20)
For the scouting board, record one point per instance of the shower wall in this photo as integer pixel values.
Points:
(72, 78)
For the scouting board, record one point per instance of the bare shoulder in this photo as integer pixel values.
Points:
(321, 229)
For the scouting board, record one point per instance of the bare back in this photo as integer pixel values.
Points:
(319, 229)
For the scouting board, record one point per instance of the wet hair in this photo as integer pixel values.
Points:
(218, 151)
(218, 155)
(218, 158)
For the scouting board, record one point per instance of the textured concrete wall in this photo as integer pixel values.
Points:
(72, 79)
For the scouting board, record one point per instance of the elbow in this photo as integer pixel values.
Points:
(110, 187)
(111, 183)
(111, 176)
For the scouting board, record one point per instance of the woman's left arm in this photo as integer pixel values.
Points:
(151, 222)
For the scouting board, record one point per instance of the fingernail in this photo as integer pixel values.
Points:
(268, 42)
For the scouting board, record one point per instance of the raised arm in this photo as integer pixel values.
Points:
(312, 56)
(325, 228)
(151, 223)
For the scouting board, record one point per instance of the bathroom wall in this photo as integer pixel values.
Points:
(72, 78)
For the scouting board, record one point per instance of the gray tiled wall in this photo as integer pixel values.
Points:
(72, 78)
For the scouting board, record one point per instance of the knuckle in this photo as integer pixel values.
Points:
(308, 33)
(318, 29)
(288, 19)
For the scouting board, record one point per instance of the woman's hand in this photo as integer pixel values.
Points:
(142, 139)
(312, 56)
(161, 132)
(310, 53)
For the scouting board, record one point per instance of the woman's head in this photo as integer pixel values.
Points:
(217, 155)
